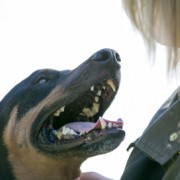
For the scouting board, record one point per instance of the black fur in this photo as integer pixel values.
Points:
(72, 85)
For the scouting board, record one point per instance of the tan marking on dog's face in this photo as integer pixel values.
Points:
(28, 162)
(18, 132)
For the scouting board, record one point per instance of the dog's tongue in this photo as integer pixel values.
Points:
(85, 127)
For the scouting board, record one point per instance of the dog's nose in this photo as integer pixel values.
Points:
(106, 55)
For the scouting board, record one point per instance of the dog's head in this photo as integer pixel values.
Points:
(59, 113)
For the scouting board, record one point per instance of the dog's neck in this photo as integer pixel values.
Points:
(28, 162)
(35, 166)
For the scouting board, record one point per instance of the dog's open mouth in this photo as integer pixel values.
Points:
(70, 121)
(80, 121)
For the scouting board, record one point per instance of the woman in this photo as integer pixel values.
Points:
(156, 153)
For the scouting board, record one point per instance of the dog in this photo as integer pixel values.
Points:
(51, 122)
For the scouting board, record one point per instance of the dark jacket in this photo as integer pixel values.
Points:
(156, 152)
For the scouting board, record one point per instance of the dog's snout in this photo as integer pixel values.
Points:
(106, 55)
(103, 56)
(117, 57)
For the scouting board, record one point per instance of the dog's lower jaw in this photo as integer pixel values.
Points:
(30, 120)
(43, 167)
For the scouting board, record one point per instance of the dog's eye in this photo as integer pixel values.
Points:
(42, 81)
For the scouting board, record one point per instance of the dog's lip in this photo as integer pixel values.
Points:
(111, 84)
(85, 127)
(93, 138)
(77, 129)
(96, 108)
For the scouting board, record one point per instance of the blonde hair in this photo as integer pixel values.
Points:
(157, 21)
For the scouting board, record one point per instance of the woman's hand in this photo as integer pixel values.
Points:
(92, 176)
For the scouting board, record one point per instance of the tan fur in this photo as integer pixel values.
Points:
(26, 161)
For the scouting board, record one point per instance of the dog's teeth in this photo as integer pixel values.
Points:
(62, 109)
(72, 132)
(58, 134)
(65, 130)
(115, 125)
(92, 88)
(109, 125)
(99, 93)
(83, 113)
(96, 99)
(88, 139)
(65, 133)
(103, 123)
(58, 112)
(95, 108)
(88, 112)
(111, 84)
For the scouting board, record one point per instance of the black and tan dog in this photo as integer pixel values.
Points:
(50, 122)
